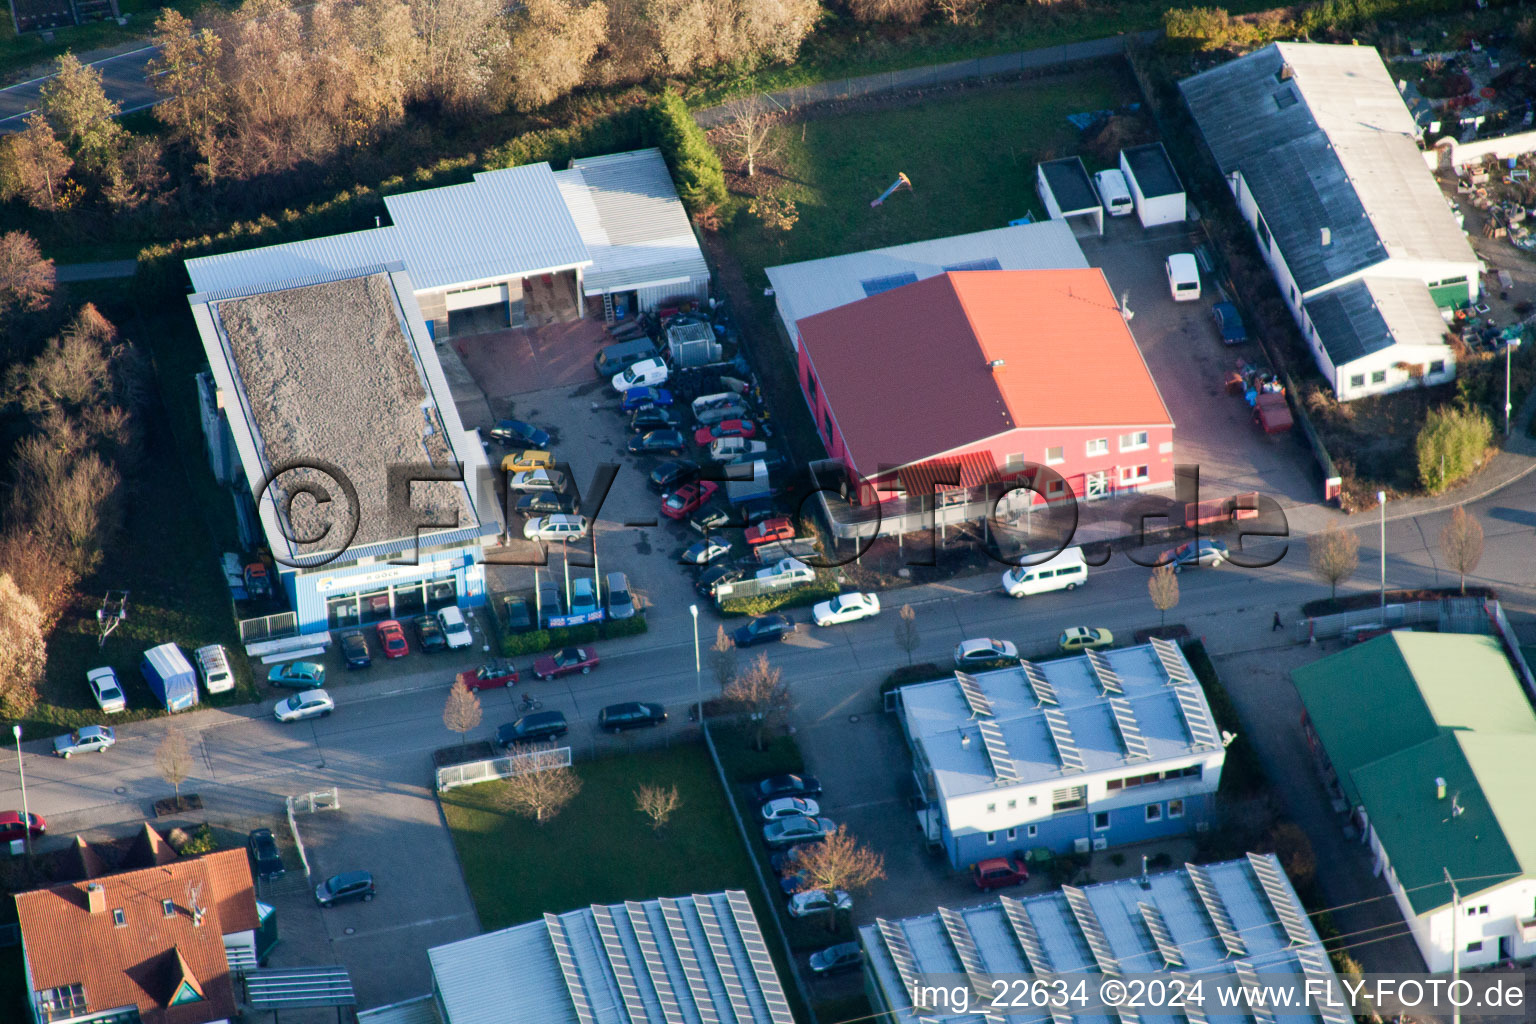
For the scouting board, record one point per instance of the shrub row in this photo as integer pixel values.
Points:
(539, 640)
(822, 588)
(909, 674)
(1242, 774)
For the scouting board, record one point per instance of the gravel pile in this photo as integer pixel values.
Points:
(329, 377)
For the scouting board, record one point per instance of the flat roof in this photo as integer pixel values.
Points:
(1370, 314)
(1153, 170)
(1070, 185)
(943, 721)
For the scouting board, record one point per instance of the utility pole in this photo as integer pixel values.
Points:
(1455, 944)
(1508, 347)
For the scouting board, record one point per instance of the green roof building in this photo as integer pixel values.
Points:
(1432, 741)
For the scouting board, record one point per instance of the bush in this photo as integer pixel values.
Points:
(539, 640)
(823, 587)
(1451, 445)
(744, 764)
(695, 165)
(199, 842)
(1242, 774)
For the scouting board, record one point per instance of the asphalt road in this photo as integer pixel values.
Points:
(123, 79)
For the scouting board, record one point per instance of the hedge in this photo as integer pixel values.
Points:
(1242, 774)
(922, 672)
(822, 588)
(539, 640)
(695, 165)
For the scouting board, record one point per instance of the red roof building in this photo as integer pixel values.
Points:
(968, 378)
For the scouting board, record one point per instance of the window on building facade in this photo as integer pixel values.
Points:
(1069, 799)
(1012, 804)
(1175, 808)
(1379, 377)
(1031, 801)
(1261, 228)
(1357, 380)
(991, 838)
(1101, 821)
(810, 384)
(991, 808)
(1032, 831)
(1098, 446)
(1475, 947)
(1013, 834)
(1054, 455)
(1014, 462)
(1134, 474)
(1133, 441)
(1437, 366)
(1055, 488)
(1154, 812)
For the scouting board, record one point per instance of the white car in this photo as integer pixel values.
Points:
(454, 627)
(1183, 276)
(214, 662)
(646, 373)
(555, 527)
(309, 704)
(982, 651)
(1114, 192)
(785, 806)
(792, 568)
(845, 608)
(724, 449)
(818, 901)
(535, 480)
(104, 687)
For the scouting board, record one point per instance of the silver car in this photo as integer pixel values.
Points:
(88, 739)
(621, 604)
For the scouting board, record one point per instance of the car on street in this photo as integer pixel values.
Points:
(309, 704)
(266, 859)
(520, 433)
(1084, 638)
(846, 608)
(495, 674)
(301, 675)
(786, 862)
(454, 627)
(770, 531)
(646, 373)
(1229, 322)
(537, 503)
(392, 638)
(1204, 551)
(725, 428)
(797, 829)
(11, 827)
(983, 651)
(687, 498)
(999, 872)
(785, 806)
(818, 901)
(429, 635)
(728, 448)
(535, 728)
(106, 690)
(670, 474)
(631, 714)
(556, 527)
(526, 458)
(354, 650)
(345, 888)
(564, 662)
(715, 576)
(536, 480)
(638, 398)
(707, 550)
(584, 596)
(621, 603)
(845, 956)
(652, 417)
(787, 785)
(657, 442)
(88, 739)
(765, 629)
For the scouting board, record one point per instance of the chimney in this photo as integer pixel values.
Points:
(1439, 788)
(95, 898)
(1327, 237)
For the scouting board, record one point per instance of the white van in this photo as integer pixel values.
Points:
(1114, 193)
(1183, 277)
(213, 661)
(1064, 572)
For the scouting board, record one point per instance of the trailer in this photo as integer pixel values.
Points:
(1271, 413)
(1222, 510)
(170, 676)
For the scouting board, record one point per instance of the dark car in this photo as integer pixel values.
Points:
(639, 398)
(999, 872)
(617, 358)
(549, 599)
(565, 661)
(266, 861)
(534, 728)
(668, 476)
(652, 417)
(542, 503)
(709, 519)
(631, 714)
(714, 576)
(345, 887)
(787, 785)
(354, 650)
(764, 629)
(1203, 552)
(429, 635)
(845, 956)
(516, 614)
(520, 434)
(658, 442)
(1230, 323)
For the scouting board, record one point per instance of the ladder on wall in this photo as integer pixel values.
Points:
(607, 307)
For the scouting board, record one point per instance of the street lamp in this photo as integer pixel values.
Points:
(1381, 499)
(21, 772)
(698, 684)
(1508, 345)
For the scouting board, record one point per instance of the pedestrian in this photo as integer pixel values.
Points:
(1276, 624)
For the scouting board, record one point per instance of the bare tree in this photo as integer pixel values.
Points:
(23, 653)
(71, 499)
(906, 631)
(748, 129)
(463, 42)
(73, 371)
(1335, 555)
(839, 863)
(908, 12)
(657, 803)
(760, 694)
(461, 712)
(543, 785)
(1461, 542)
(1163, 586)
(960, 12)
(37, 572)
(35, 166)
(26, 277)
(722, 658)
(553, 43)
(75, 104)
(173, 757)
(187, 73)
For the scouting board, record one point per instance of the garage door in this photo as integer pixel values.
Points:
(468, 298)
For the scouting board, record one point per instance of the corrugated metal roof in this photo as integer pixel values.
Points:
(421, 1010)
(254, 269)
(815, 286)
(1373, 313)
(1070, 185)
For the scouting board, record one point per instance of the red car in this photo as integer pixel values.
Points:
(565, 661)
(687, 498)
(770, 530)
(997, 872)
(392, 639)
(11, 829)
(490, 676)
(725, 428)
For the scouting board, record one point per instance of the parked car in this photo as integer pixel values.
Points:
(616, 358)
(630, 715)
(845, 608)
(538, 503)
(88, 739)
(637, 398)
(1114, 192)
(728, 448)
(645, 373)
(734, 409)
(1204, 551)
(536, 480)
(792, 568)
(999, 872)
(714, 576)
(1229, 323)
(784, 806)
(1183, 276)
(213, 661)
(12, 827)
(621, 603)
(550, 601)
(344, 888)
(354, 650)
(565, 661)
(671, 474)
(454, 627)
(725, 428)
(392, 639)
(652, 417)
(535, 728)
(707, 550)
(688, 497)
(657, 442)
(493, 675)
(309, 704)
(525, 459)
(584, 596)
(106, 690)
(770, 530)
(517, 614)
(788, 785)
(1084, 638)
(983, 651)
(429, 635)
(709, 518)
(786, 862)
(797, 829)
(763, 630)
(519, 432)
(818, 901)
(266, 859)
(845, 956)
(302, 675)
(556, 527)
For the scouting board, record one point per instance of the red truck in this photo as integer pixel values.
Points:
(1271, 413)
(769, 531)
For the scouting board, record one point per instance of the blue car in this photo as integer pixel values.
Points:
(520, 434)
(1230, 323)
(639, 398)
(301, 675)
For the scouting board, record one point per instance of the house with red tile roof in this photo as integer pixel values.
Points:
(150, 942)
(982, 377)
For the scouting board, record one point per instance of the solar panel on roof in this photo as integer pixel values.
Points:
(568, 968)
(1061, 735)
(1192, 1009)
(1044, 692)
(1249, 979)
(970, 957)
(1173, 956)
(970, 689)
(1201, 731)
(734, 989)
(757, 952)
(682, 944)
(655, 965)
(1003, 768)
(1314, 965)
(1093, 931)
(876, 285)
(901, 955)
(1173, 663)
(1292, 918)
(1216, 908)
(1130, 732)
(1035, 956)
(990, 263)
(1109, 680)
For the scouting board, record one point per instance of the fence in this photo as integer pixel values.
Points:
(1502, 627)
(1449, 615)
(269, 627)
(472, 772)
(325, 799)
